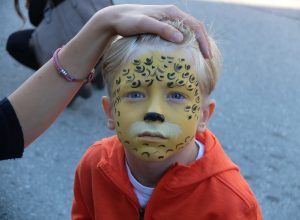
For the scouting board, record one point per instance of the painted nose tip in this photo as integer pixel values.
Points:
(154, 116)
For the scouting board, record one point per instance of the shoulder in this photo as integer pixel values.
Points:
(238, 194)
(98, 152)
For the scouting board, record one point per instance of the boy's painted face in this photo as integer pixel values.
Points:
(156, 103)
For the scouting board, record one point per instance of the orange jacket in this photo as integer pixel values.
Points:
(210, 188)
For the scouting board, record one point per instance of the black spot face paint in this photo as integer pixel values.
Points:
(166, 74)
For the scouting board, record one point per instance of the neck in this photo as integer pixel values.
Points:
(149, 173)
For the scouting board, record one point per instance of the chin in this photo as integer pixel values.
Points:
(151, 153)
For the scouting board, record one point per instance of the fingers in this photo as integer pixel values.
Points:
(166, 31)
(196, 26)
(136, 19)
(203, 41)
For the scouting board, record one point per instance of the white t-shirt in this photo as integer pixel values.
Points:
(142, 192)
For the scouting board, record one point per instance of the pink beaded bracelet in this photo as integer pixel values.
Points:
(63, 73)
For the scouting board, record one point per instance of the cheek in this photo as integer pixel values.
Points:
(186, 120)
(117, 113)
(119, 116)
(185, 114)
(188, 124)
(189, 121)
(191, 111)
(125, 115)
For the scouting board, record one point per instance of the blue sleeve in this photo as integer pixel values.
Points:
(11, 135)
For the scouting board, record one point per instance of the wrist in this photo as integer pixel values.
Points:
(82, 53)
(106, 21)
(64, 73)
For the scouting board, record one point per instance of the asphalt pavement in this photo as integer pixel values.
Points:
(257, 116)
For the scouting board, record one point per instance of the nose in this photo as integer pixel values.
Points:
(155, 105)
(154, 116)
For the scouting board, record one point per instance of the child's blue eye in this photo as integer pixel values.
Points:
(135, 95)
(176, 96)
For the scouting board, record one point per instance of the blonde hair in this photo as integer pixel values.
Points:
(125, 49)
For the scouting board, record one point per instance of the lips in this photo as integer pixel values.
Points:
(148, 134)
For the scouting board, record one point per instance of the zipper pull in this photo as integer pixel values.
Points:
(142, 212)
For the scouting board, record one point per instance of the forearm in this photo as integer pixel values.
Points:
(41, 98)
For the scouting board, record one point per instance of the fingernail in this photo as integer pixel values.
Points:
(177, 36)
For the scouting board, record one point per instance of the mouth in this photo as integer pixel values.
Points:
(152, 136)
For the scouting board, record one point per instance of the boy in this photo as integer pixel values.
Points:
(164, 163)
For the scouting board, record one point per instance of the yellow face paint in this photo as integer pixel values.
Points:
(156, 104)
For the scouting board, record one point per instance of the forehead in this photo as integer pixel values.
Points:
(160, 60)
(174, 67)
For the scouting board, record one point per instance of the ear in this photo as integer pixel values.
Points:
(207, 111)
(108, 112)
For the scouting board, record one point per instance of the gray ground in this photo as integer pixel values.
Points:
(257, 116)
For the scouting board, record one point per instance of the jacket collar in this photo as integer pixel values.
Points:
(214, 161)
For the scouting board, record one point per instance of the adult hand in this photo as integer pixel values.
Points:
(128, 20)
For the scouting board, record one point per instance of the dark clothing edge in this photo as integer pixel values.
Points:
(11, 134)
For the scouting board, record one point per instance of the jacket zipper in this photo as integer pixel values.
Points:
(142, 213)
